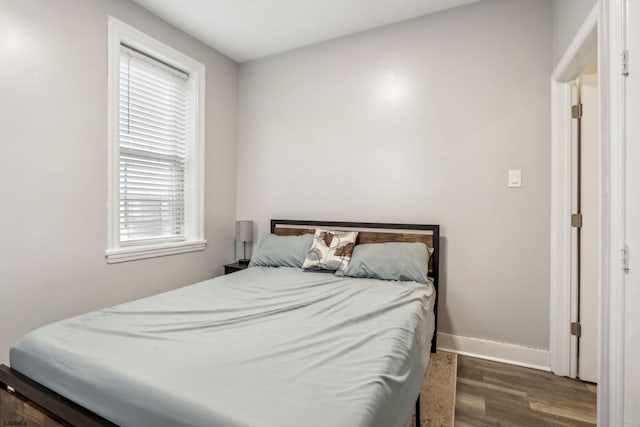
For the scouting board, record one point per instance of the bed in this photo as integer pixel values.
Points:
(261, 347)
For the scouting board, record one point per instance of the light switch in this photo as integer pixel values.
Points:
(515, 178)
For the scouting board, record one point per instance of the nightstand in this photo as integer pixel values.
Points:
(236, 266)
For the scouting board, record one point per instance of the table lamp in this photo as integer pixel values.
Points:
(244, 234)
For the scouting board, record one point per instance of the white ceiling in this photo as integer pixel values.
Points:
(250, 29)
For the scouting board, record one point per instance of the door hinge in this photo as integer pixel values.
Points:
(576, 220)
(576, 111)
(576, 329)
(625, 63)
(624, 258)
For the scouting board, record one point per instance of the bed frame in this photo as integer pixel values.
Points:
(26, 402)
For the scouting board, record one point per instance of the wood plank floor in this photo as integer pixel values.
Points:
(496, 394)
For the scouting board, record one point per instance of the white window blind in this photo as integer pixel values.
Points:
(153, 147)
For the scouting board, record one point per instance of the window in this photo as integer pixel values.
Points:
(156, 148)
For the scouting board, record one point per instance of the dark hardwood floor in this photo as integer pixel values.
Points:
(496, 394)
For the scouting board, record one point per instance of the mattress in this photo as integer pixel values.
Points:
(267, 347)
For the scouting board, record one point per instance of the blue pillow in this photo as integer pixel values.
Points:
(281, 251)
(390, 261)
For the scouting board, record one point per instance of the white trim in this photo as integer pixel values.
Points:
(141, 252)
(119, 33)
(560, 251)
(512, 354)
(581, 50)
(562, 302)
(611, 389)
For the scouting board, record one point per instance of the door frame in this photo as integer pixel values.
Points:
(608, 18)
(611, 390)
(563, 346)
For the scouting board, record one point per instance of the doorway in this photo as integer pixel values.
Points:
(616, 40)
(566, 315)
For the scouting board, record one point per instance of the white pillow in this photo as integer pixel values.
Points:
(331, 250)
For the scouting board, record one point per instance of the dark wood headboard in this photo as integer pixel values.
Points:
(375, 232)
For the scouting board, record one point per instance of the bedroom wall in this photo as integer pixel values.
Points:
(53, 164)
(568, 17)
(419, 122)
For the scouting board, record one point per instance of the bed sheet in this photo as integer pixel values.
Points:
(268, 347)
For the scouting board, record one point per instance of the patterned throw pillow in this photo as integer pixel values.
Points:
(331, 250)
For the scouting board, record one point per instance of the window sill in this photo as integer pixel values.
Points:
(151, 251)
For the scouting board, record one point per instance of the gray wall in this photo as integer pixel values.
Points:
(568, 16)
(419, 122)
(53, 164)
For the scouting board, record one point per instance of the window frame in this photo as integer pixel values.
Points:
(121, 33)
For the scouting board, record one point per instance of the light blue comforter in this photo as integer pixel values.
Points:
(263, 347)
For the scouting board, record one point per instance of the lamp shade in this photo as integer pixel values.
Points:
(244, 231)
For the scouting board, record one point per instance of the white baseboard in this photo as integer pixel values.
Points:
(494, 350)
